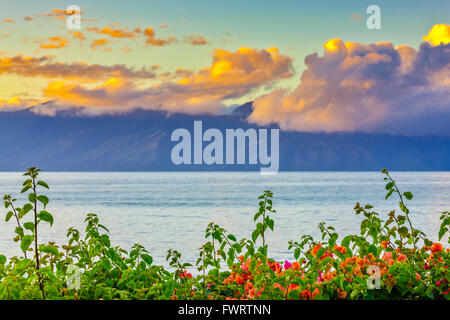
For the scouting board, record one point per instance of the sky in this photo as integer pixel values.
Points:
(308, 66)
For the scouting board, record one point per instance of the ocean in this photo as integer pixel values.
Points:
(163, 210)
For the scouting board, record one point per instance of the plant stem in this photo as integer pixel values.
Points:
(18, 223)
(36, 238)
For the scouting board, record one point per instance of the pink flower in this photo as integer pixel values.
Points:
(320, 279)
(401, 257)
(287, 265)
(438, 283)
(387, 256)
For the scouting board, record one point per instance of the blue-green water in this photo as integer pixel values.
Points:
(163, 210)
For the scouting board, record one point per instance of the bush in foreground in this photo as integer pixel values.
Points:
(389, 259)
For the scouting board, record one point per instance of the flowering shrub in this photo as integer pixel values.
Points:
(389, 259)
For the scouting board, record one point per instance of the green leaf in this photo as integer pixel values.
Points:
(232, 237)
(373, 250)
(50, 249)
(2, 259)
(22, 264)
(106, 263)
(26, 241)
(8, 216)
(32, 197)
(442, 232)
(19, 231)
(105, 240)
(29, 226)
(408, 195)
(403, 231)
(403, 207)
(147, 258)
(43, 184)
(43, 199)
(255, 235)
(297, 253)
(346, 241)
(26, 208)
(46, 216)
(270, 223)
(389, 194)
(26, 188)
(389, 185)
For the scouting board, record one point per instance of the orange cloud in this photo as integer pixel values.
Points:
(231, 75)
(99, 43)
(56, 42)
(196, 40)
(78, 35)
(356, 16)
(16, 103)
(114, 33)
(46, 67)
(28, 18)
(101, 95)
(439, 34)
(8, 20)
(59, 14)
(149, 34)
(365, 87)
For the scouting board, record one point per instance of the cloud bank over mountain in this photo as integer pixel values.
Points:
(377, 87)
(367, 88)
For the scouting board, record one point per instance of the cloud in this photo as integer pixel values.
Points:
(368, 88)
(78, 35)
(196, 40)
(96, 43)
(46, 67)
(151, 39)
(16, 103)
(105, 94)
(55, 42)
(28, 18)
(59, 14)
(356, 16)
(231, 75)
(114, 32)
(8, 20)
(440, 33)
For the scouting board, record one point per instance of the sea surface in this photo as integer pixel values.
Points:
(163, 210)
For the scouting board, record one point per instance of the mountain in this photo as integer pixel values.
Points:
(140, 141)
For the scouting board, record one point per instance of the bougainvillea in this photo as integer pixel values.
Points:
(389, 259)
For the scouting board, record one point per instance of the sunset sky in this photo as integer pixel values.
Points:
(308, 66)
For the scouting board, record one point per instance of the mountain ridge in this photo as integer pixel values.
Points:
(140, 141)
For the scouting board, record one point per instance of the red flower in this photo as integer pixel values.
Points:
(185, 274)
(436, 247)
(315, 249)
(385, 244)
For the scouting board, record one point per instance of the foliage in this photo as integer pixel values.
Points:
(389, 259)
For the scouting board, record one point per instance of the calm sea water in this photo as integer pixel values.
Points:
(162, 210)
